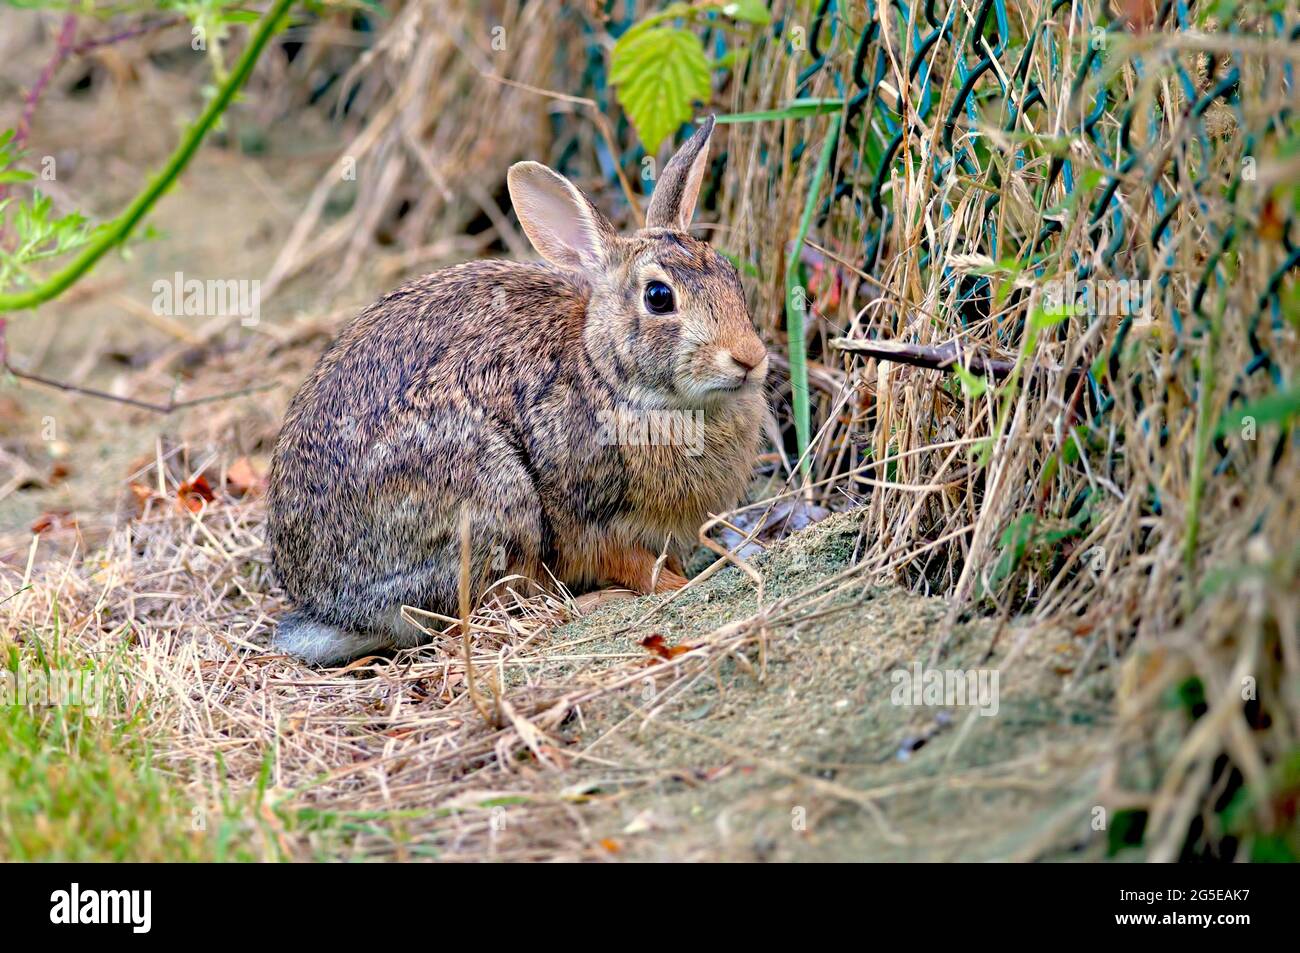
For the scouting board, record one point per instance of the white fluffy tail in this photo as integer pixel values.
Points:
(319, 643)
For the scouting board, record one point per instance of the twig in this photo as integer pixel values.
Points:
(171, 406)
(130, 33)
(167, 408)
(62, 50)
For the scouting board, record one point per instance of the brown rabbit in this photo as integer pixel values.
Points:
(586, 414)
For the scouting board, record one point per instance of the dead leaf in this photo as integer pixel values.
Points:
(141, 494)
(655, 643)
(784, 518)
(243, 477)
(192, 494)
(1140, 15)
(1271, 224)
(54, 519)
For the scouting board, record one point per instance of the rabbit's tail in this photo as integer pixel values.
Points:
(320, 643)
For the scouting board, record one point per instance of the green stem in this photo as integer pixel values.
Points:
(121, 227)
(796, 301)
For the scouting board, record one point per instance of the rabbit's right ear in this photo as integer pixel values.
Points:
(563, 225)
(672, 203)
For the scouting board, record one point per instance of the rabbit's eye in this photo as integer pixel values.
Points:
(658, 298)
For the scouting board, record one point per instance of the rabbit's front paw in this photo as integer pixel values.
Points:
(669, 581)
(635, 568)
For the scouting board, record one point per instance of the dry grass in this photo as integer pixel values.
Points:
(1175, 558)
(391, 757)
(422, 141)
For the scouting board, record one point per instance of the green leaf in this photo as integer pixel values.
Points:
(794, 307)
(1100, 366)
(659, 74)
(1015, 542)
(1188, 695)
(1271, 849)
(1044, 318)
(1279, 407)
(749, 11)
(796, 109)
(740, 263)
(729, 59)
(973, 386)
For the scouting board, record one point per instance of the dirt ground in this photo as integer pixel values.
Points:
(227, 218)
(797, 752)
(815, 761)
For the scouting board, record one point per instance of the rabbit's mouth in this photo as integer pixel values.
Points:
(721, 390)
(747, 381)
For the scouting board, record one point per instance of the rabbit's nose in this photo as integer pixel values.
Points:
(744, 362)
(748, 356)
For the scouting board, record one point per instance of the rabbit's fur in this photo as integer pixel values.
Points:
(488, 390)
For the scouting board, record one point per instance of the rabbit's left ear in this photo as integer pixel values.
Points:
(672, 204)
(563, 225)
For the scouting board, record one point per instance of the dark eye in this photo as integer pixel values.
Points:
(658, 298)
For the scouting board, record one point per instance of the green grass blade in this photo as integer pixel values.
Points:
(797, 109)
(794, 308)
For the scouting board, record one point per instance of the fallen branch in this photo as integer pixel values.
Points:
(167, 408)
(943, 357)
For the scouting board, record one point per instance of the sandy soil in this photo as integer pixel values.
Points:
(815, 761)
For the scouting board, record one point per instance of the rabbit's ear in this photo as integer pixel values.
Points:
(563, 225)
(673, 202)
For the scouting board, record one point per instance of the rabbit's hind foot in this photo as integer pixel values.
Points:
(319, 643)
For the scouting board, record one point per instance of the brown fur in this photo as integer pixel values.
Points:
(491, 385)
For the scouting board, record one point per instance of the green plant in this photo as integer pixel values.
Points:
(795, 304)
(37, 233)
(660, 71)
(47, 237)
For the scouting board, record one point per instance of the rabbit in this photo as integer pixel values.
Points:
(500, 392)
